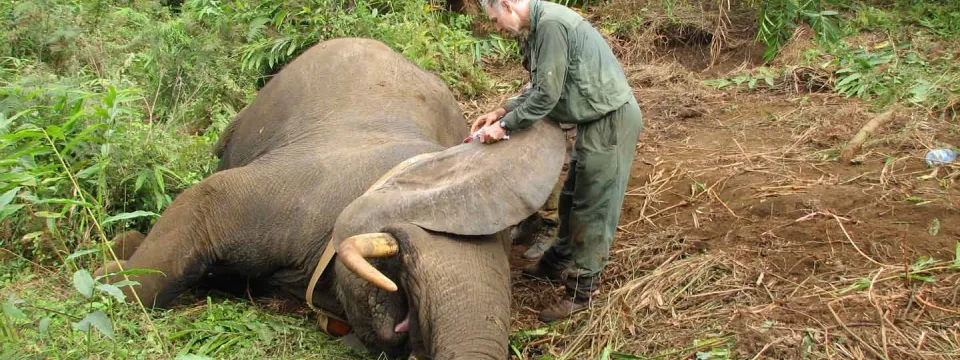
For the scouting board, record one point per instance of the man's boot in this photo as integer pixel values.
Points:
(563, 309)
(544, 240)
(579, 289)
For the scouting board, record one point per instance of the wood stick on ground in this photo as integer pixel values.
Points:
(853, 147)
(714, 193)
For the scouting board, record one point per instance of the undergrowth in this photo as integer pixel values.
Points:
(884, 55)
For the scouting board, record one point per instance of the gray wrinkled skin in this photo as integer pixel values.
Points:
(309, 145)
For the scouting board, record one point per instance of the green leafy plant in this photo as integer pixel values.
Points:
(759, 75)
(779, 18)
(858, 76)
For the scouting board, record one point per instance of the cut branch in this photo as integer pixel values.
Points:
(853, 147)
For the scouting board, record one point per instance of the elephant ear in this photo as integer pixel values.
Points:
(470, 189)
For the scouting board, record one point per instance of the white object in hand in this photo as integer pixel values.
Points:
(477, 134)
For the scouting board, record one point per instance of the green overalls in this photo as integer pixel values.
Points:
(576, 79)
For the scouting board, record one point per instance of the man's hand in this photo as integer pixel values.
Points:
(492, 133)
(487, 119)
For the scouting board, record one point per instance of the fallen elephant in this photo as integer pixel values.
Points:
(421, 265)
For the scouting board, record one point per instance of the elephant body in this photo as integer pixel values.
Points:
(295, 174)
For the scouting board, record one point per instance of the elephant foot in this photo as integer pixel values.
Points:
(110, 267)
(125, 244)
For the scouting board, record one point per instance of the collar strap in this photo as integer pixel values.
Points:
(329, 322)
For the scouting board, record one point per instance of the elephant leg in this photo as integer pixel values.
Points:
(125, 244)
(110, 267)
(175, 247)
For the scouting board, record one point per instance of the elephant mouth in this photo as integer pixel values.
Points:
(403, 326)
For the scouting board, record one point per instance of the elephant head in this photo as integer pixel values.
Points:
(423, 255)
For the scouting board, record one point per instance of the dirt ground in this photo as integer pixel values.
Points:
(740, 229)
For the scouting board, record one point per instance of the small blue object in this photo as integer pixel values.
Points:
(940, 156)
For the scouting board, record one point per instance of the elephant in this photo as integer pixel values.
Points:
(351, 145)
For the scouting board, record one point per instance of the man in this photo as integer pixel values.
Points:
(576, 79)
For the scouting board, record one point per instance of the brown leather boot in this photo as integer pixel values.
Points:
(561, 310)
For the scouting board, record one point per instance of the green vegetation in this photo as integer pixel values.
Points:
(45, 315)
(884, 55)
(108, 110)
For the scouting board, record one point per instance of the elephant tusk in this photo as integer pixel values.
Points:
(354, 250)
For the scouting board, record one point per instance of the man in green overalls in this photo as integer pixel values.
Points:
(575, 78)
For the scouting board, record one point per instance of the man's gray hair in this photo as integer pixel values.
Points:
(493, 4)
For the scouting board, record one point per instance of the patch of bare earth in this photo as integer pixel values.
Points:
(740, 228)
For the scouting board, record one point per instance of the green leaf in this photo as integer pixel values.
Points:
(956, 256)
(85, 173)
(848, 79)
(606, 353)
(254, 29)
(768, 80)
(23, 134)
(64, 202)
(80, 253)
(55, 132)
(10, 308)
(44, 325)
(48, 214)
(516, 351)
(99, 320)
(83, 282)
(131, 272)
(922, 263)
(9, 210)
(717, 83)
(113, 291)
(129, 215)
(8, 196)
(915, 199)
(860, 284)
(158, 175)
(193, 357)
(140, 179)
(934, 228)
(535, 332)
(920, 91)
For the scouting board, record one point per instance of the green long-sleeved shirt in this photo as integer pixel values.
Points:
(574, 75)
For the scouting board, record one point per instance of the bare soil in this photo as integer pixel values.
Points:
(741, 229)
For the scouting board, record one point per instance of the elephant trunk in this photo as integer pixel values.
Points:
(459, 294)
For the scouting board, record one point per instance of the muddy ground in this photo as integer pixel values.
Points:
(741, 232)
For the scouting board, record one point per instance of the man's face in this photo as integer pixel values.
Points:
(506, 18)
